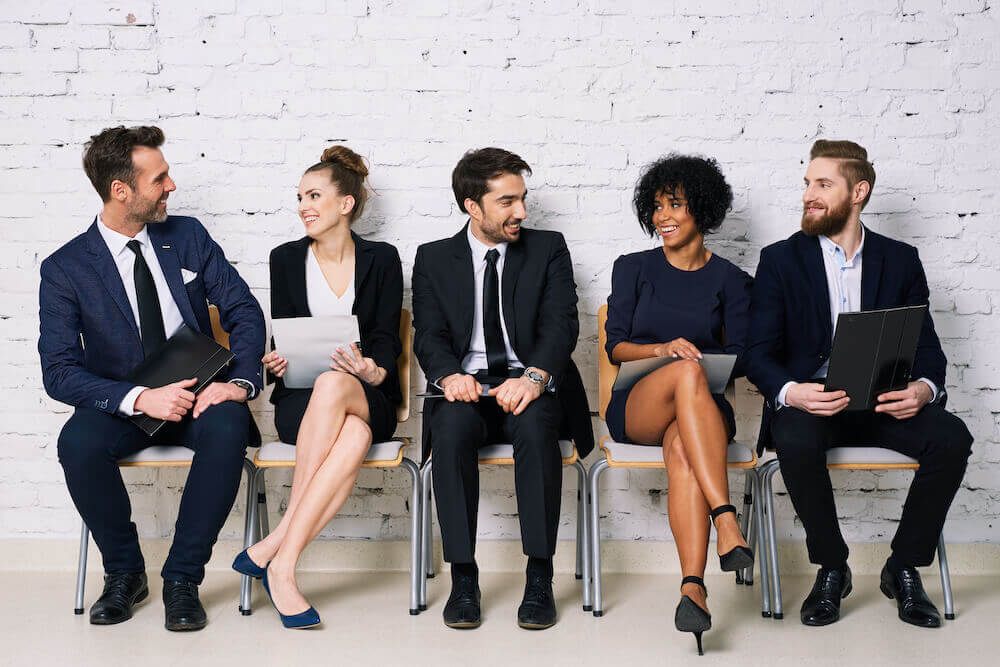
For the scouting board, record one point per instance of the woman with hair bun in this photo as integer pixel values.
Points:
(675, 301)
(330, 271)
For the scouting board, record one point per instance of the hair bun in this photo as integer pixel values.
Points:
(345, 157)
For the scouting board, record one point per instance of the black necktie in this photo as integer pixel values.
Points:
(496, 352)
(150, 317)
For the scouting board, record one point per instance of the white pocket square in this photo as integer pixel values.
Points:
(188, 275)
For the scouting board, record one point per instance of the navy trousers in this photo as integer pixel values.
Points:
(92, 442)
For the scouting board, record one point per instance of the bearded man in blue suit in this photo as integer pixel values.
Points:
(108, 299)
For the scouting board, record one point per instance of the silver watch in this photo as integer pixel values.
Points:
(534, 376)
(246, 386)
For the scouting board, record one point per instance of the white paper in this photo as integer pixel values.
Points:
(718, 368)
(308, 342)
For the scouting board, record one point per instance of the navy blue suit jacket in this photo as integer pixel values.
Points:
(82, 293)
(790, 328)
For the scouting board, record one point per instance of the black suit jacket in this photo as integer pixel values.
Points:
(378, 299)
(538, 297)
(790, 329)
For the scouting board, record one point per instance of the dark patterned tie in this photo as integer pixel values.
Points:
(150, 316)
(496, 352)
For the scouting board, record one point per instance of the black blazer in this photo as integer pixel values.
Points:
(539, 308)
(378, 299)
(790, 329)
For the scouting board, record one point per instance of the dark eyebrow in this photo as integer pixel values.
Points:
(512, 197)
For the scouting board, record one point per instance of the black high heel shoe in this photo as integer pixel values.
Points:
(736, 558)
(689, 617)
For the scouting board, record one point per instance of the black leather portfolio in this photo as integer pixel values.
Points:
(873, 353)
(186, 354)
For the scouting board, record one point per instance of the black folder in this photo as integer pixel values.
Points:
(873, 353)
(186, 354)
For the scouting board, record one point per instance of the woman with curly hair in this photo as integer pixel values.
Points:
(676, 301)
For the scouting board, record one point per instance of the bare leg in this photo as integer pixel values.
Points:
(335, 395)
(687, 511)
(678, 393)
(326, 494)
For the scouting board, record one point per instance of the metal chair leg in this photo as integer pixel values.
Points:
(81, 568)
(763, 559)
(772, 540)
(583, 535)
(949, 601)
(745, 521)
(416, 535)
(263, 527)
(250, 520)
(595, 532)
(753, 527)
(425, 534)
(578, 572)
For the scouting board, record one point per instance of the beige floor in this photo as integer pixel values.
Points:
(366, 623)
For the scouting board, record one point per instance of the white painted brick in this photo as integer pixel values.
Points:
(19, 61)
(137, 12)
(14, 35)
(133, 38)
(56, 11)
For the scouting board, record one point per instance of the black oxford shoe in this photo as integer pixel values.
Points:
(904, 586)
(182, 606)
(822, 605)
(538, 608)
(121, 592)
(463, 610)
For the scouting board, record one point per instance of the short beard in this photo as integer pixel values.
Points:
(147, 215)
(830, 223)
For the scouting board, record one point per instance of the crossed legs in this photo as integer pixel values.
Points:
(332, 442)
(674, 407)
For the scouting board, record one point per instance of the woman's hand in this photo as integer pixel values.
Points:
(678, 348)
(274, 364)
(351, 361)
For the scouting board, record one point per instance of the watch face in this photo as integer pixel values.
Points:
(534, 376)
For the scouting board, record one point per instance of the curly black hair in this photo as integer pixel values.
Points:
(705, 188)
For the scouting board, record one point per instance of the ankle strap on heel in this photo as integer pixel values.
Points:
(694, 580)
(722, 509)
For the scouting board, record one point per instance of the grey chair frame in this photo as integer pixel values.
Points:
(765, 474)
(583, 562)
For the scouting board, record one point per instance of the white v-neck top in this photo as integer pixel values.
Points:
(321, 299)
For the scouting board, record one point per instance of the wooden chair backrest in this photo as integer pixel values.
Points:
(606, 371)
(221, 336)
(403, 365)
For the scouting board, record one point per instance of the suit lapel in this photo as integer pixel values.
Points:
(871, 270)
(364, 256)
(107, 273)
(166, 254)
(812, 258)
(512, 262)
(464, 283)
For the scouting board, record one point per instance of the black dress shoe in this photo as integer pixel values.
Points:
(538, 608)
(121, 592)
(462, 609)
(904, 586)
(182, 606)
(822, 605)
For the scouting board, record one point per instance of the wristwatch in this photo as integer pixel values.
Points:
(535, 377)
(243, 384)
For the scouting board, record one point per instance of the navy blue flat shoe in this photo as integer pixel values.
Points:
(245, 565)
(300, 621)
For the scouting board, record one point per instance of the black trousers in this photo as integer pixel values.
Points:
(937, 439)
(92, 442)
(460, 429)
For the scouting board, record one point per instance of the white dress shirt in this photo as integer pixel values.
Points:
(475, 359)
(320, 297)
(125, 261)
(843, 281)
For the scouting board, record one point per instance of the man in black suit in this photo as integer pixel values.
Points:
(836, 264)
(495, 305)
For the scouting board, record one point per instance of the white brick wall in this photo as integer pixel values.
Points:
(249, 92)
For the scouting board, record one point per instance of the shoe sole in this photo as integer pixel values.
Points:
(888, 593)
(535, 626)
(184, 627)
(464, 625)
(142, 595)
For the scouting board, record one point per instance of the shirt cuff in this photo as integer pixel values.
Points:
(780, 402)
(934, 391)
(127, 407)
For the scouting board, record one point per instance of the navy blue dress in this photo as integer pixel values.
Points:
(653, 302)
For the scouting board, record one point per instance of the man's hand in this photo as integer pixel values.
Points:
(218, 392)
(810, 397)
(170, 402)
(461, 387)
(905, 403)
(516, 394)
(679, 348)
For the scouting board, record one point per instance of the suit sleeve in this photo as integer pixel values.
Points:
(929, 361)
(431, 340)
(736, 317)
(239, 312)
(766, 336)
(558, 324)
(621, 302)
(383, 338)
(63, 373)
